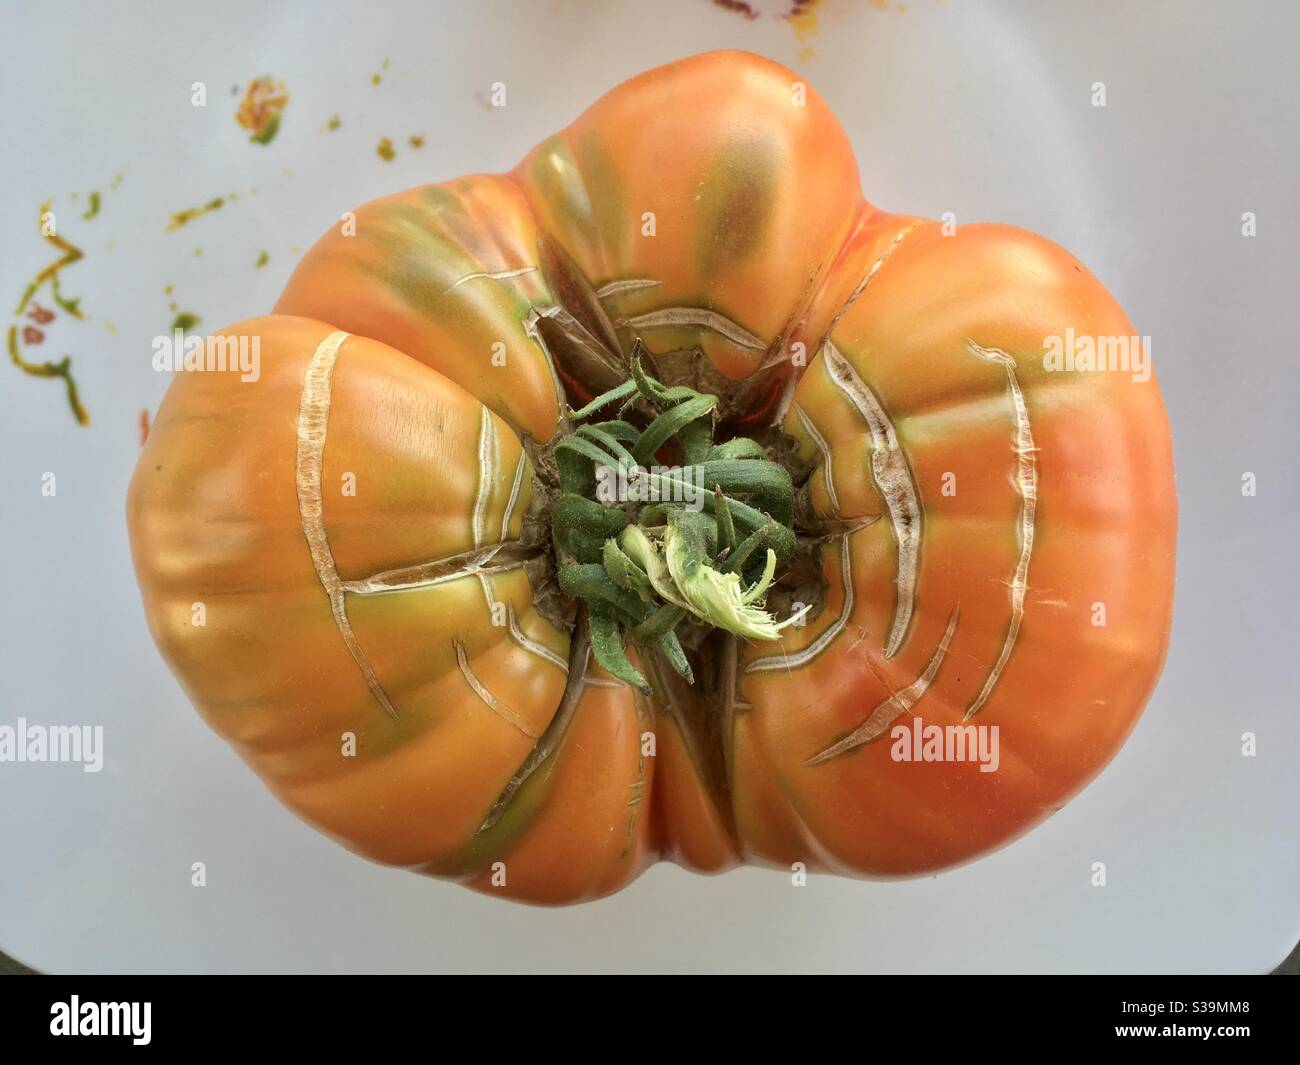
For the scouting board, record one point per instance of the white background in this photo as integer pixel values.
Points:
(983, 109)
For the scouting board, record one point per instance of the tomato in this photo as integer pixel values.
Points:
(880, 584)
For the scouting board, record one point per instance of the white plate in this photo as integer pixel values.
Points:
(984, 110)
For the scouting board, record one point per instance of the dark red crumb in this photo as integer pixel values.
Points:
(739, 6)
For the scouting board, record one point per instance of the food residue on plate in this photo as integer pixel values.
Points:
(35, 318)
(185, 217)
(385, 150)
(803, 17)
(738, 6)
(260, 110)
(71, 254)
(183, 320)
(801, 14)
(62, 368)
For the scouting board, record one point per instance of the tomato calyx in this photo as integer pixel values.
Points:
(651, 548)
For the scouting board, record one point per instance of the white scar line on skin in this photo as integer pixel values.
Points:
(491, 701)
(798, 659)
(487, 466)
(529, 325)
(484, 579)
(434, 572)
(496, 275)
(676, 317)
(487, 470)
(617, 288)
(313, 420)
(483, 575)
(902, 235)
(899, 703)
(514, 496)
(313, 417)
(820, 442)
(542, 651)
(532, 646)
(471, 564)
(1027, 483)
(893, 478)
(792, 384)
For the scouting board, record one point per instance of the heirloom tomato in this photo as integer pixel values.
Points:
(664, 499)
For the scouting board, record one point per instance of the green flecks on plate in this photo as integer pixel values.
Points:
(267, 133)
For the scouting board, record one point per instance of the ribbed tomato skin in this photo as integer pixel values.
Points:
(330, 556)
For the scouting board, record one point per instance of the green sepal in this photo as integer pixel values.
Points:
(669, 424)
(659, 624)
(627, 388)
(626, 573)
(726, 527)
(607, 646)
(739, 447)
(580, 526)
(599, 434)
(672, 649)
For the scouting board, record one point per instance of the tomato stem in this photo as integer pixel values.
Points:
(648, 548)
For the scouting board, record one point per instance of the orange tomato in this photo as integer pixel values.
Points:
(356, 564)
